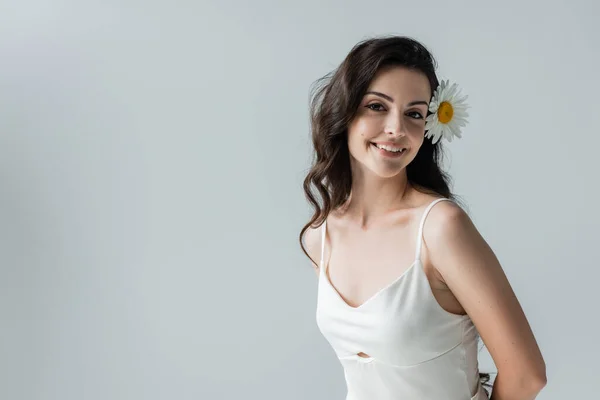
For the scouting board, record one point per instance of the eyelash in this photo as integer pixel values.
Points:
(378, 104)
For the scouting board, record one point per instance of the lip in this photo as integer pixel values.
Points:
(386, 153)
(393, 144)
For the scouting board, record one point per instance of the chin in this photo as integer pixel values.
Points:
(387, 173)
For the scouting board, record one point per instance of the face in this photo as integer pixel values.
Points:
(392, 112)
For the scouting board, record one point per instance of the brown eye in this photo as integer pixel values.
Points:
(376, 105)
(415, 115)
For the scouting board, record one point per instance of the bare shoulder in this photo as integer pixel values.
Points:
(440, 213)
(446, 224)
(445, 212)
(473, 273)
(312, 243)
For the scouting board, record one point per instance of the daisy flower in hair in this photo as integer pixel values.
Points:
(449, 113)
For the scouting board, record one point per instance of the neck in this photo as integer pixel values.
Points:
(376, 197)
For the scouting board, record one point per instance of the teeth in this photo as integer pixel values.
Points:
(388, 148)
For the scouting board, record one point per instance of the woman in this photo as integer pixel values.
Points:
(406, 282)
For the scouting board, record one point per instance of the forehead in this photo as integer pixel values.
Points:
(398, 81)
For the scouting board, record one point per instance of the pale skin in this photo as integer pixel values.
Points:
(371, 239)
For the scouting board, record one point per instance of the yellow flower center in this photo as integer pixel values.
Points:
(445, 112)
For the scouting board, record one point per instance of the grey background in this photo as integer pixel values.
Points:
(151, 162)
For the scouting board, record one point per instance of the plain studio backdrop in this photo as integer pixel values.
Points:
(151, 165)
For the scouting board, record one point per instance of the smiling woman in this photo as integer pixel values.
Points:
(406, 282)
(395, 104)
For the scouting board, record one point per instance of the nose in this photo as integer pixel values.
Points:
(395, 126)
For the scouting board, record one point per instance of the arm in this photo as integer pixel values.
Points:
(473, 274)
(312, 243)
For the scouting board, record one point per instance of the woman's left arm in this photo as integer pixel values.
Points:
(473, 273)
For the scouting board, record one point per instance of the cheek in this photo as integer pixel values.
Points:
(417, 133)
(358, 139)
(362, 129)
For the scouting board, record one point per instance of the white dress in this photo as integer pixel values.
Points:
(417, 350)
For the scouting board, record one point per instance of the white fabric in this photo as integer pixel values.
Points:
(418, 350)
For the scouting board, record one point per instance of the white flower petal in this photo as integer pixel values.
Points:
(459, 118)
(454, 131)
(440, 135)
(462, 99)
(452, 91)
(431, 124)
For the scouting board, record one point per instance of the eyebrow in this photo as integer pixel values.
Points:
(388, 98)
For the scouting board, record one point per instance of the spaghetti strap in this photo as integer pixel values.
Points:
(422, 224)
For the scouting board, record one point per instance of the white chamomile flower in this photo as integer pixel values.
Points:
(449, 113)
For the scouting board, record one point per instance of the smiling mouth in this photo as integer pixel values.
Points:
(388, 152)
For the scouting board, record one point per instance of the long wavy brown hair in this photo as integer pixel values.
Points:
(334, 102)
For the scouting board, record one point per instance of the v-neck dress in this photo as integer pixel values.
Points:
(416, 349)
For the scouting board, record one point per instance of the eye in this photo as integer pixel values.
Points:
(418, 115)
(374, 104)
